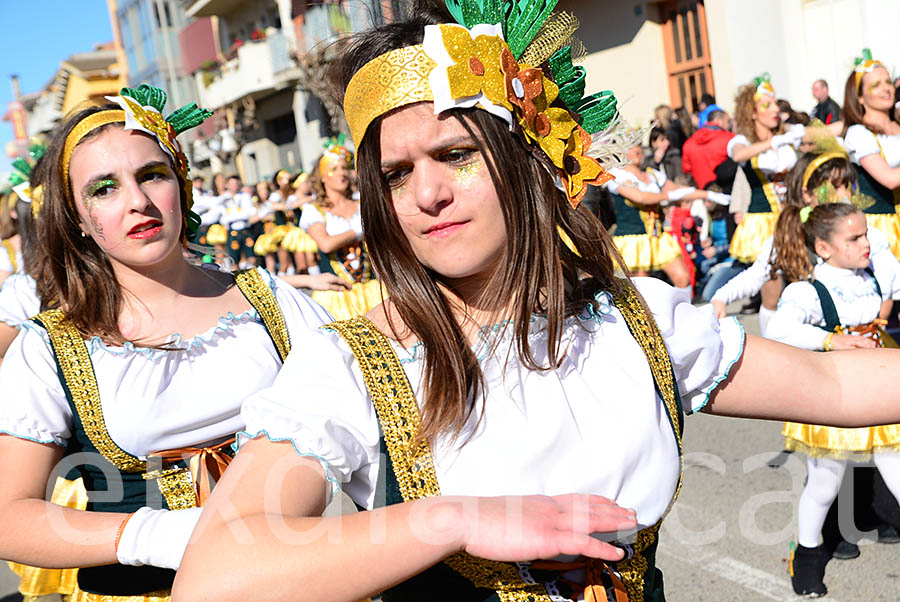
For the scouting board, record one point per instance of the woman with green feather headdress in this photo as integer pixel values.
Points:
(872, 137)
(126, 376)
(515, 394)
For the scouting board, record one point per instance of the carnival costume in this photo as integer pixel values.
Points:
(129, 405)
(836, 301)
(862, 142)
(284, 232)
(639, 235)
(884, 263)
(351, 263)
(765, 174)
(537, 430)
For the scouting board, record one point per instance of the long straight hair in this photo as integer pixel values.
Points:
(538, 272)
(853, 112)
(73, 273)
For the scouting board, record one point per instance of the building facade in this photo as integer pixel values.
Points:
(672, 51)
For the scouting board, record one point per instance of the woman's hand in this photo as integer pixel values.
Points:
(327, 282)
(842, 342)
(537, 527)
(719, 308)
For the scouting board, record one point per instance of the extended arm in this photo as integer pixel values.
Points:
(744, 152)
(887, 176)
(328, 243)
(265, 512)
(819, 388)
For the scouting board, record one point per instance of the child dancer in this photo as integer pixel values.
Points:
(817, 178)
(837, 308)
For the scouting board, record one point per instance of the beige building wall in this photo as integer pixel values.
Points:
(625, 45)
(797, 42)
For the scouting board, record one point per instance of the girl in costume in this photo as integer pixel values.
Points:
(818, 177)
(295, 241)
(98, 383)
(265, 246)
(639, 196)
(873, 139)
(334, 221)
(510, 365)
(837, 306)
(764, 148)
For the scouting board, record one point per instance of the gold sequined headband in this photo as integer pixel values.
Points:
(393, 80)
(818, 162)
(85, 127)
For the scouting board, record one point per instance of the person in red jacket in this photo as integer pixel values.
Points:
(707, 148)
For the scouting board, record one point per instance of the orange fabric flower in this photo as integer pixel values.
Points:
(580, 170)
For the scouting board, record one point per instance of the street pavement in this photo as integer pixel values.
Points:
(727, 537)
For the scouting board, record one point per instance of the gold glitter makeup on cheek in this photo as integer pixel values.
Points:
(464, 174)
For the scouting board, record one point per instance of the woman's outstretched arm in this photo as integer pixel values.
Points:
(261, 536)
(842, 388)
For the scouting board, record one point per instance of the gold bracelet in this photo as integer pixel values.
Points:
(828, 346)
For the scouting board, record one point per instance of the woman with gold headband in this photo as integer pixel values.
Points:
(334, 222)
(766, 150)
(872, 137)
(100, 384)
(513, 395)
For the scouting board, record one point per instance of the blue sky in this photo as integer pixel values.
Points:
(37, 35)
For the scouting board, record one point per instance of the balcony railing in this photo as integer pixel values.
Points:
(258, 66)
(323, 23)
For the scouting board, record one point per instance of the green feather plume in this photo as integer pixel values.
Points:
(525, 19)
(866, 56)
(146, 96)
(187, 117)
(470, 13)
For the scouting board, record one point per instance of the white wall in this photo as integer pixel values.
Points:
(797, 42)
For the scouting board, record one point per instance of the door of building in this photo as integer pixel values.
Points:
(687, 52)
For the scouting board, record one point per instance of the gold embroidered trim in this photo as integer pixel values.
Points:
(157, 596)
(177, 487)
(767, 185)
(264, 302)
(633, 570)
(648, 336)
(398, 413)
(78, 372)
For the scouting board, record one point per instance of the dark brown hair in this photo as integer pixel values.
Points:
(853, 112)
(795, 240)
(538, 272)
(74, 273)
(744, 108)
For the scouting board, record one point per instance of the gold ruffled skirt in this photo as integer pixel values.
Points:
(216, 235)
(842, 444)
(296, 240)
(36, 582)
(889, 224)
(269, 241)
(647, 253)
(750, 235)
(357, 301)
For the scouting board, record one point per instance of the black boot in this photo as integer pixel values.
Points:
(808, 570)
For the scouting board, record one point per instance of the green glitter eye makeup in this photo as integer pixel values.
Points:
(99, 185)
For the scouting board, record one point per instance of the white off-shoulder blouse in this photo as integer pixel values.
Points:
(155, 400)
(595, 425)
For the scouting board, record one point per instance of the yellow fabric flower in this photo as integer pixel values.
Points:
(477, 69)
